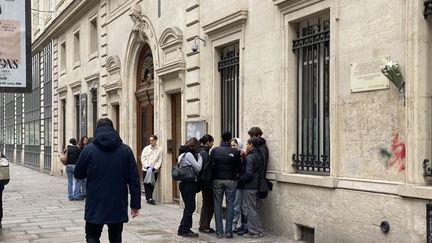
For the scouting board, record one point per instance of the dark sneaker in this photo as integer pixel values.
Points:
(250, 235)
(219, 235)
(207, 231)
(237, 229)
(190, 234)
(242, 232)
(229, 235)
(151, 201)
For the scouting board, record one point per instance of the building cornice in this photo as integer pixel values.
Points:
(232, 21)
(62, 22)
(171, 68)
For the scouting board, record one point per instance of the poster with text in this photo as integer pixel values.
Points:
(15, 65)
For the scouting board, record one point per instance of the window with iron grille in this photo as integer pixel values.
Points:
(10, 118)
(47, 93)
(228, 67)
(19, 117)
(32, 116)
(312, 48)
(32, 106)
(47, 90)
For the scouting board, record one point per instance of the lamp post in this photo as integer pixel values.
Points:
(93, 90)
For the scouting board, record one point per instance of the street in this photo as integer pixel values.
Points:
(36, 209)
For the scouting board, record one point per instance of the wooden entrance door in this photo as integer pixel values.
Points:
(176, 138)
(145, 102)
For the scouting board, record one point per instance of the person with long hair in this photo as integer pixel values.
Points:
(73, 153)
(82, 143)
(189, 156)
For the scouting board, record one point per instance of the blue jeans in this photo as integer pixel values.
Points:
(219, 187)
(72, 195)
(237, 206)
(83, 187)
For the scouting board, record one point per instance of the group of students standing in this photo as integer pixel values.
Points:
(228, 171)
(77, 193)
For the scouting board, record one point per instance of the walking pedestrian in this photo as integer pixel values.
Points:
(2, 186)
(110, 168)
(204, 182)
(249, 182)
(82, 143)
(226, 166)
(1, 203)
(189, 156)
(151, 159)
(73, 152)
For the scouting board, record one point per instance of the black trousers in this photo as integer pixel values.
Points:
(207, 208)
(148, 188)
(93, 232)
(188, 192)
(1, 205)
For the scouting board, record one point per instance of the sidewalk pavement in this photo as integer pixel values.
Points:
(36, 209)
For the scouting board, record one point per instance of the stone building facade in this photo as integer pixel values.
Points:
(346, 147)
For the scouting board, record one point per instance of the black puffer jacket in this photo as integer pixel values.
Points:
(73, 153)
(249, 180)
(226, 162)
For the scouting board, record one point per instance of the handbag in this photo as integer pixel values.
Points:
(4, 171)
(182, 172)
(149, 178)
(264, 187)
(64, 157)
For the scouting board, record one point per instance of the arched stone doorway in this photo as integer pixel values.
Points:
(144, 99)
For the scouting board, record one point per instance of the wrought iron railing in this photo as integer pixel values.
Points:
(9, 151)
(47, 159)
(32, 156)
(18, 159)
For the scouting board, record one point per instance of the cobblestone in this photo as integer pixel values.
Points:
(36, 209)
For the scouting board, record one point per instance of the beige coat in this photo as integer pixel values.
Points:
(151, 157)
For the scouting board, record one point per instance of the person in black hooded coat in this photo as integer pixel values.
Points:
(110, 168)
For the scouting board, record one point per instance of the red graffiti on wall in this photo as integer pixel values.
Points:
(398, 154)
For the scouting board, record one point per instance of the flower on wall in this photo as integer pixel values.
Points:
(393, 72)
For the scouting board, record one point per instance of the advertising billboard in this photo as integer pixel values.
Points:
(15, 46)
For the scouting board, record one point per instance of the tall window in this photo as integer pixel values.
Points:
(313, 131)
(47, 105)
(10, 118)
(228, 67)
(32, 109)
(93, 36)
(63, 56)
(19, 126)
(77, 48)
(77, 116)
